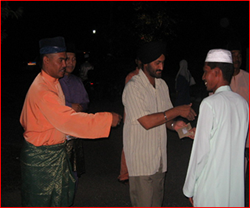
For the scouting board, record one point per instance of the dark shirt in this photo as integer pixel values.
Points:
(74, 91)
(182, 88)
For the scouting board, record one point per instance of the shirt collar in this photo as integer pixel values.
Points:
(223, 88)
(143, 77)
(48, 77)
(145, 80)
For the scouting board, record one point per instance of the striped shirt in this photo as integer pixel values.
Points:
(144, 149)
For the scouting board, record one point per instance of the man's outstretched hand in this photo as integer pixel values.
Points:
(116, 119)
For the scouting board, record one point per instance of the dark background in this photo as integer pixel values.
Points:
(195, 28)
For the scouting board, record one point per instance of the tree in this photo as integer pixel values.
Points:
(6, 13)
(153, 21)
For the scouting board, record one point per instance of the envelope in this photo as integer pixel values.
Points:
(183, 132)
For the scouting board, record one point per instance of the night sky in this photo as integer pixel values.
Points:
(200, 26)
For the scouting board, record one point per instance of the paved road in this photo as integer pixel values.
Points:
(98, 187)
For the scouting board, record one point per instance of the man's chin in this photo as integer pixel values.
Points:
(61, 75)
(158, 73)
(69, 70)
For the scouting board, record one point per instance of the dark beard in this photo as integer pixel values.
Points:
(158, 75)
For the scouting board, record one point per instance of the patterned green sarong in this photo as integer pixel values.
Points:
(47, 179)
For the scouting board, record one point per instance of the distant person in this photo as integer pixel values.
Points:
(85, 68)
(183, 81)
(240, 83)
(123, 177)
(215, 176)
(77, 98)
(149, 111)
(47, 178)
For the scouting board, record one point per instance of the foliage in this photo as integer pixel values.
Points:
(6, 13)
(153, 21)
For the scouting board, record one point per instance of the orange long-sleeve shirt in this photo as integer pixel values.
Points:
(46, 120)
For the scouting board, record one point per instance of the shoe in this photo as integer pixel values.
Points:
(125, 182)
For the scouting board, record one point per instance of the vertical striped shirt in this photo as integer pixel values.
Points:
(144, 149)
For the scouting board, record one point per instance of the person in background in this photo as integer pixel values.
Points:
(85, 68)
(240, 83)
(148, 112)
(215, 176)
(183, 81)
(47, 178)
(123, 177)
(77, 98)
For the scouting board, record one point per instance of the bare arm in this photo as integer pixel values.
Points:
(156, 119)
(152, 120)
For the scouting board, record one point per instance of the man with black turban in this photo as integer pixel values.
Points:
(148, 112)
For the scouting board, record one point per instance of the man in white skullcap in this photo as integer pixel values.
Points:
(215, 176)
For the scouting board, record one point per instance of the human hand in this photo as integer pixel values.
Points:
(77, 107)
(116, 119)
(191, 200)
(187, 112)
(193, 133)
(179, 124)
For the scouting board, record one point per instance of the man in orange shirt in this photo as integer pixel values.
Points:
(47, 178)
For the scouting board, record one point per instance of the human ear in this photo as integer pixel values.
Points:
(217, 71)
(45, 59)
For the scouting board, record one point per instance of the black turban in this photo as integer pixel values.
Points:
(151, 51)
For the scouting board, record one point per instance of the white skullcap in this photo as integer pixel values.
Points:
(219, 55)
